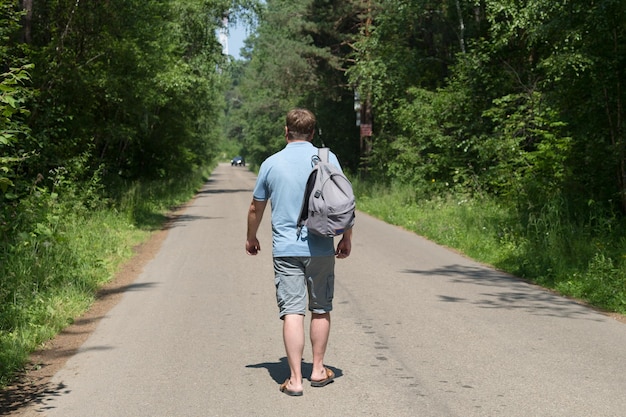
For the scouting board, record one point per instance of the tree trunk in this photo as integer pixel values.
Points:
(461, 26)
(27, 6)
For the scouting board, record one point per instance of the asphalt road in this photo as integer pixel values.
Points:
(418, 330)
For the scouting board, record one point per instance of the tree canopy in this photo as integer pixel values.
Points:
(127, 88)
(505, 97)
(511, 98)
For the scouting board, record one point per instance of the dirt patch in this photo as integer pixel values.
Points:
(34, 385)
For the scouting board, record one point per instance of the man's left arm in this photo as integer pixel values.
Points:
(344, 247)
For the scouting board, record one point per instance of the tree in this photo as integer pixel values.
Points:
(294, 63)
(130, 86)
(14, 93)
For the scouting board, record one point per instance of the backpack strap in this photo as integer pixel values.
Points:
(323, 154)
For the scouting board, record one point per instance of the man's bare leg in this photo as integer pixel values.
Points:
(293, 336)
(320, 330)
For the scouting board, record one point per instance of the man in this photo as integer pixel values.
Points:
(303, 264)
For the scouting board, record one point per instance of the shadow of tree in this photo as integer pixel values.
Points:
(184, 219)
(29, 392)
(37, 391)
(516, 293)
(224, 191)
(108, 292)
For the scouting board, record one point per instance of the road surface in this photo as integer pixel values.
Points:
(417, 330)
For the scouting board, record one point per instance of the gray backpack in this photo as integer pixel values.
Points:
(328, 205)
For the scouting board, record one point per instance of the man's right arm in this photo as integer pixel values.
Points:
(255, 215)
(344, 247)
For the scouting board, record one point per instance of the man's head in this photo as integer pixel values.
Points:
(300, 125)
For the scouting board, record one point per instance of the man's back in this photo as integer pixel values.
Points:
(282, 180)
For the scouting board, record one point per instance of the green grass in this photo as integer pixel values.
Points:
(584, 259)
(58, 251)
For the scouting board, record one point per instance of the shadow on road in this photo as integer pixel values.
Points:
(518, 294)
(183, 219)
(279, 371)
(478, 275)
(108, 292)
(224, 191)
(27, 393)
(35, 389)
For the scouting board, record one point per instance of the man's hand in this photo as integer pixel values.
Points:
(255, 214)
(252, 246)
(344, 247)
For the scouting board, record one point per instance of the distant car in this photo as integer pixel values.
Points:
(238, 162)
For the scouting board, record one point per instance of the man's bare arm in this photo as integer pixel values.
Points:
(344, 247)
(255, 215)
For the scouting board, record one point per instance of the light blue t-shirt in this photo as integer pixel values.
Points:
(282, 179)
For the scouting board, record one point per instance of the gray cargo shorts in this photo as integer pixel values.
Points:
(294, 277)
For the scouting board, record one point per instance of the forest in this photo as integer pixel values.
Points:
(520, 99)
(517, 103)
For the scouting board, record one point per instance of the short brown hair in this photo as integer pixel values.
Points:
(300, 124)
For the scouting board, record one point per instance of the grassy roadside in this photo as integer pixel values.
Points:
(584, 259)
(59, 247)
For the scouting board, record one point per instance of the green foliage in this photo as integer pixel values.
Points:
(52, 259)
(520, 100)
(296, 62)
(13, 94)
(571, 51)
(422, 146)
(136, 82)
(527, 151)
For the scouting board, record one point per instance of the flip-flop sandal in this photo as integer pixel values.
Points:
(330, 376)
(283, 388)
